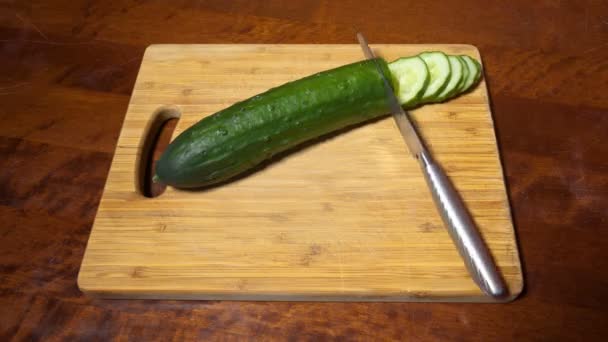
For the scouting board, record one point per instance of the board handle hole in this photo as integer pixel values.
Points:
(155, 140)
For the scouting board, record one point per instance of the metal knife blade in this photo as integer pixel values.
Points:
(450, 205)
(413, 141)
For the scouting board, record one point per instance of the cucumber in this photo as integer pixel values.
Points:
(410, 79)
(465, 75)
(474, 72)
(229, 142)
(439, 69)
(479, 70)
(455, 78)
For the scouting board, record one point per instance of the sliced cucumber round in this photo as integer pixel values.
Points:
(410, 78)
(439, 69)
(454, 81)
(465, 75)
(474, 72)
(479, 71)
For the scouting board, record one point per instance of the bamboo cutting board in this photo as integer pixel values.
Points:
(348, 219)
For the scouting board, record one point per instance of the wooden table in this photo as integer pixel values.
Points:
(66, 72)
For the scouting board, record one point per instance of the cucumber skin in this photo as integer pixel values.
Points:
(231, 141)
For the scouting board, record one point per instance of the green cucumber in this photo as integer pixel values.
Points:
(234, 140)
(455, 78)
(465, 76)
(229, 142)
(479, 70)
(439, 69)
(410, 79)
(474, 73)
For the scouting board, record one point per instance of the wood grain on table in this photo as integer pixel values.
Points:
(67, 70)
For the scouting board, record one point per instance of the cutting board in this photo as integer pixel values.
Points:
(348, 218)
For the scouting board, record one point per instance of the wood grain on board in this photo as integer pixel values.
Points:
(346, 218)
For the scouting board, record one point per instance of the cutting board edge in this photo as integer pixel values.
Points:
(288, 297)
(518, 281)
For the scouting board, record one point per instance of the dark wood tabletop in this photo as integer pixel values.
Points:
(67, 69)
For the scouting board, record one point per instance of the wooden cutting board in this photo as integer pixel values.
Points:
(347, 219)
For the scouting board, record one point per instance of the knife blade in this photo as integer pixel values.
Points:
(412, 140)
(451, 207)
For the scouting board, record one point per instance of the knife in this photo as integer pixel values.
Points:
(450, 205)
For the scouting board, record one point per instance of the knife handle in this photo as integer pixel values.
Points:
(462, 229)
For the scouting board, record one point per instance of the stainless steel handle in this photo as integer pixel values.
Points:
(462, 229)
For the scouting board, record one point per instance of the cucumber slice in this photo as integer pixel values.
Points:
(455, 78)
(439, 68)
(479, 70)
(465, 75)
(410, 78)
(474, 72)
